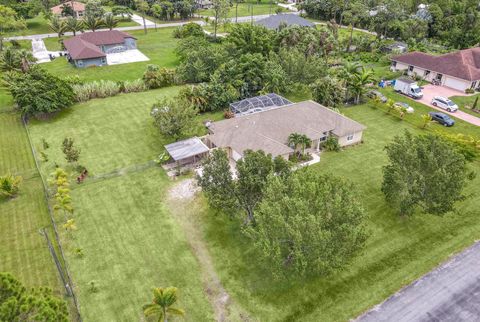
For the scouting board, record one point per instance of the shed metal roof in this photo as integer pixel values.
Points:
(187, 148)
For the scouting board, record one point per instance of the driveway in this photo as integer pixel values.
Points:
(450, 292)
(430, 91)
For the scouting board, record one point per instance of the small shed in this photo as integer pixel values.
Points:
(187, 151)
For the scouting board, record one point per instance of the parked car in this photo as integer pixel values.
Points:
(408, 87)
(444, 103)
(374, 94)
(442, 118)
(405, 106)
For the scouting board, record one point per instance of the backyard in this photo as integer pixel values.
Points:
(247, 8)
(133, 242)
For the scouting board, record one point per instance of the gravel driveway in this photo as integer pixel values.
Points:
(430, 91)
(450, 292)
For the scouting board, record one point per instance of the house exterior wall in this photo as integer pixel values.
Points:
(346, 141)
(82, 63)
(130, 43)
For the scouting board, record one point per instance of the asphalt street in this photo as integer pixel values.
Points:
(451, 292)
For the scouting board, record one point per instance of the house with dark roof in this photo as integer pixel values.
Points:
(459, 70)
(274, 22)
(78, 9)
(268, 130)
(91, 48)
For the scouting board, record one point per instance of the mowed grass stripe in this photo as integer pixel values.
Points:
(131, 244)
(23, 249)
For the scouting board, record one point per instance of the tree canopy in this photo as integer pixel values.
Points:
(308, 224)
(424, 171)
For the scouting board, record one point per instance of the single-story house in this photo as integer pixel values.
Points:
(203, 4)
(268, 130)
(274, 22)
(459, 70)
(77, 7)
(91, 48)
(397, 47)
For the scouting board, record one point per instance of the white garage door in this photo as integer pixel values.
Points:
(456, 84)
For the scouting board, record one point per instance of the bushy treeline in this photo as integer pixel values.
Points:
(454, 23)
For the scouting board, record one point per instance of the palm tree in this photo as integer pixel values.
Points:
(9, 60)
(427, 120)
(74, 25)
(92, 23)
(110, 21)
(295, 139)
(26, 58)
(163, 299)
(359, 82)
(304, 142)
(57, 25)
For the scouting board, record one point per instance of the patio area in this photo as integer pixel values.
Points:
(124, 57)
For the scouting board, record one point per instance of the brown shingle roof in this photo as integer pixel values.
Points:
(77, 6)
(269, 130)
(463, 64)
(85, 46)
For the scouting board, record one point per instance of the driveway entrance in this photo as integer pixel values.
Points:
(430, 91)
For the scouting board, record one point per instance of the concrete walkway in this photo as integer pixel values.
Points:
(450, 292)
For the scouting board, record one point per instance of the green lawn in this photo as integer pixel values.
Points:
(37, 25)
(398, 251)
(130, 241)
(23, 250)
(245, 9)
(461, 101)
(157, 45)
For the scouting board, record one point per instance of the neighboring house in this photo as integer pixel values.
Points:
(78, 9)
(268, 130)
(91, 48)
(203, 4)
(459, 70)
(274, 22)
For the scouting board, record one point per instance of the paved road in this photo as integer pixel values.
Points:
(449, 293)
(430, 91)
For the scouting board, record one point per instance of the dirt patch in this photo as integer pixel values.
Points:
(184, 208)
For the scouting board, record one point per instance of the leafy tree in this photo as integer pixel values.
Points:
(9, 185)
(162, 304)
(38, 92)
(308, 224)
(190, 29)
(110, 21)
(220, 9)
(424, 171)
(143, 8)
(328, 91)
(17, 303)
(250, 39)
(9, 21)
(281, 166)
(217, 182)
(74, 25)
(72, 154)
(156, 77)
(253, 170)
(355, 13)
(173, 117)
(122, 11)
(67, 10)
(92, 23)
(94, 9)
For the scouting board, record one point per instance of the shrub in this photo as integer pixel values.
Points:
(156, 77)
(331, 144)
(136, 85)
(228, 114)
(469, 91)
(96, 89)
(188, 30)
(9, 185)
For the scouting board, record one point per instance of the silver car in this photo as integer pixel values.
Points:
(444, 103)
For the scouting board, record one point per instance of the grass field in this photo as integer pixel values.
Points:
(157, 45)
(398, 251)
(23, 250)
(245, 9)
(37, 25)
(461, 101)
(130, 241)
